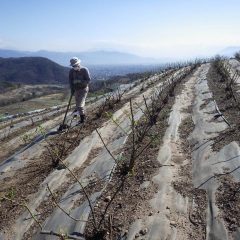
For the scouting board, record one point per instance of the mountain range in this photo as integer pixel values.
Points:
(102, 57)
(87, 57)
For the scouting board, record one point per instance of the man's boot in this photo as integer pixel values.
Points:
(75, 113)
(82, 118)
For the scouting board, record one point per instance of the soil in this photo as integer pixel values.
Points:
(124, 209)
(186, 127)
(7, 152)
(35, 172)
(125, 200)
(131, 200)
(228, 193)
(47, 206)
(228, 107)
(24, 183)
(184, 185)
(206, 102)
(228, 200)
(22, 130)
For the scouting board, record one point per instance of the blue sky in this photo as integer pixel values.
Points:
(152, 28)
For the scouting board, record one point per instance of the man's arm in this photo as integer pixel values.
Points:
(87, 76)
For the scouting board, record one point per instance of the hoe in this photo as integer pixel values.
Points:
(64, 125)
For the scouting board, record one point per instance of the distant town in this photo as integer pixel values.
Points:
(104, 72)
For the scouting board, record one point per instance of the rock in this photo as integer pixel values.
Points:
(233, 226)
(119, 205)
(107, 199)
(150, 214)
(228, 205)
(167, 207)
(137, 235)
(173, 223)
(143, 231)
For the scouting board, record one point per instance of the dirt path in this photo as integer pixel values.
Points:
(226, 198)
(207, 163)
(170, 209)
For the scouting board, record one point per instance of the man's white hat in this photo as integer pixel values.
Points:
(75, 61)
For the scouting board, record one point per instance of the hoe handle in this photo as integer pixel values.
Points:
(69, 102)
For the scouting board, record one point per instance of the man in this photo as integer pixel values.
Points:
(79, 79)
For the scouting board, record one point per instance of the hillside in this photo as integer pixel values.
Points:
(157, 159)
(32, 70)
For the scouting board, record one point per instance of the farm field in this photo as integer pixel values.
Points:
(157, 160)
(36, 103)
